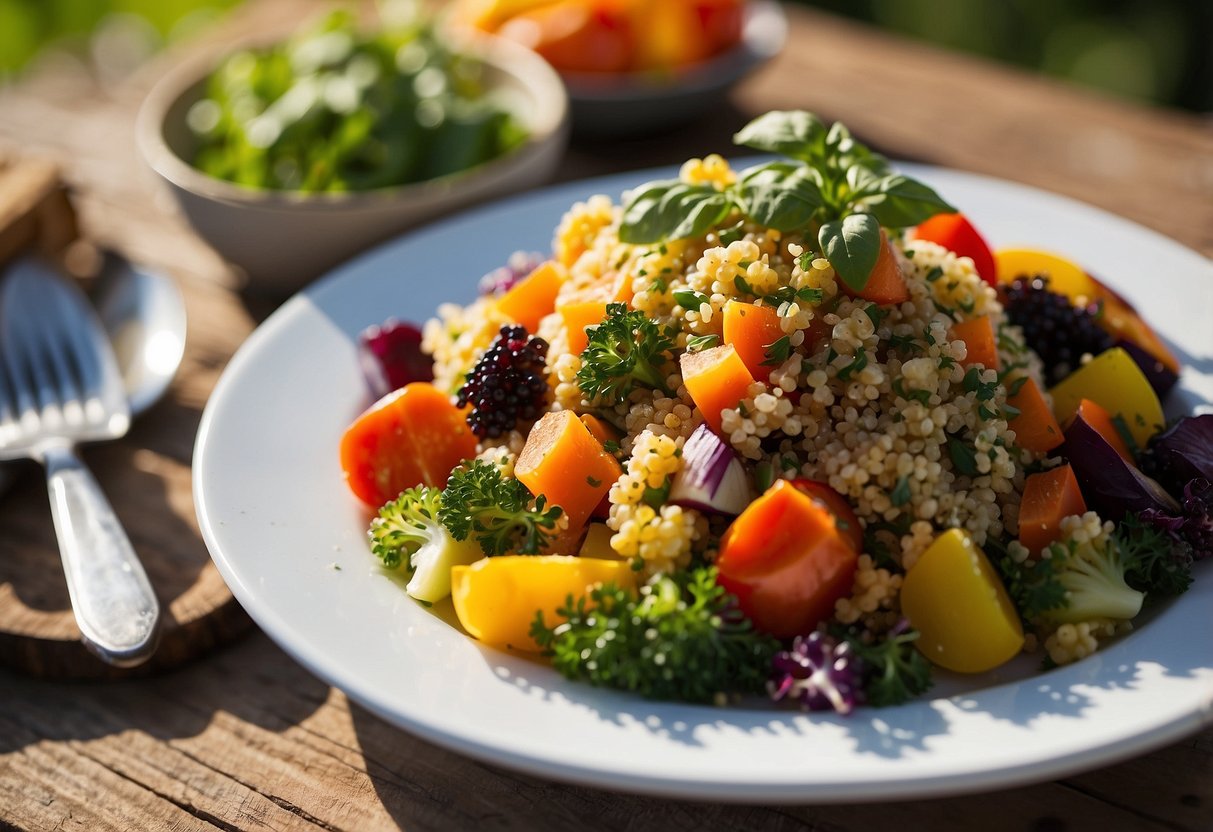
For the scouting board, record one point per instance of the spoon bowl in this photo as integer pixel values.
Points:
(143, 315)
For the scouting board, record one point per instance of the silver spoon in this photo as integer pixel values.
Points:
(144, 316)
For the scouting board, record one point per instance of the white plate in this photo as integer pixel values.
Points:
(278, 520)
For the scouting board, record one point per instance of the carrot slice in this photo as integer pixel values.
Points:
(563, 462)
(413, 436)
(886, 285)
(1047, 498)
(717, 380)
(533, 297)
(1035, 427)
(599, 429)
(1100, 419)
(577, 316)
(978, 335)
(751, 330)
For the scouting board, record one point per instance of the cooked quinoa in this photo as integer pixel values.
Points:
(872, 407)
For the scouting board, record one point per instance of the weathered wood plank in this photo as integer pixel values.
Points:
(247, 739)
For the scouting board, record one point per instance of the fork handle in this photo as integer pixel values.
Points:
(113, 601)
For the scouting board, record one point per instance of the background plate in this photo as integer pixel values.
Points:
(290, 541)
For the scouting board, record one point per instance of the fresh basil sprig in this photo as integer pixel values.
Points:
(670, 209)
(830, 185)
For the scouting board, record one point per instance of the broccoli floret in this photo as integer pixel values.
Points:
(1156, 561)
(408, 533)
(1094, 580)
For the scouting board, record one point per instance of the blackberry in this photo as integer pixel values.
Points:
(508, 385)
(1056, 330)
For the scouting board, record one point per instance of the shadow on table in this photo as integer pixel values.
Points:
(146, 477)
(252, 680)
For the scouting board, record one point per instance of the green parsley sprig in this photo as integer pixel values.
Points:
(499, 512)
(628, 348)
(683, 637)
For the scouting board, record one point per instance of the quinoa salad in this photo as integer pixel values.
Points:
(792, 430)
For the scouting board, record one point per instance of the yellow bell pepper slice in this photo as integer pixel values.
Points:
(1065, 276)
(1112, 380)
(956, 601)
(496, 598)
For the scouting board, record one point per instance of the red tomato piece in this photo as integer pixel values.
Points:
(413, 436)
(957, 234)
(787, 561)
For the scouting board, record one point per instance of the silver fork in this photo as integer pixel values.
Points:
(59, 385)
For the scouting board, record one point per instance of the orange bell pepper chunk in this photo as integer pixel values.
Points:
(978, 335)
(751, 330)
(1035, 427)
(577, 317)
(1100, 419)
(717, 380)
(563, 462)
(533, 297)
(886, 284)
(1048, 497)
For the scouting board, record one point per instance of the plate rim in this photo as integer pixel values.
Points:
(1170, 729)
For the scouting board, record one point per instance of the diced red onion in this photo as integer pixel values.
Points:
(711, 479)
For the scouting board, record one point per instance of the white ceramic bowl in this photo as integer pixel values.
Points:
(609, 106)
(283, 239)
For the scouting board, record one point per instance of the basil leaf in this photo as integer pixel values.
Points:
(793, 133)
(669, 209)
(781, 195)
(862, 183)
(904, 202)
(852, 245)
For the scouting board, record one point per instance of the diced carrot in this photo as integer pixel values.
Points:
(752, 330)
(604, 433)
(1048, 497)
(1100, 420)
(578, 316)
(978, 335)
(534, 296)
(599, 429)
(413, 436)
(1035, 427)
(622, 288)
(563, 462)
(717, 379)
(886, 284)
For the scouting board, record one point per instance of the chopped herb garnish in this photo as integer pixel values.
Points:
(964, 457)
(690, 299)
(900, 495)
(698, 343)
(857, 364)
(778, 352)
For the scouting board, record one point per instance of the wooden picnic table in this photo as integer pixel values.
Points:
(244, 738)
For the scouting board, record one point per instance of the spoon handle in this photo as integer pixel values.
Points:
(112, 599)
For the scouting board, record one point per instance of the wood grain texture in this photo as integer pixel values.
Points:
(246, 739)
